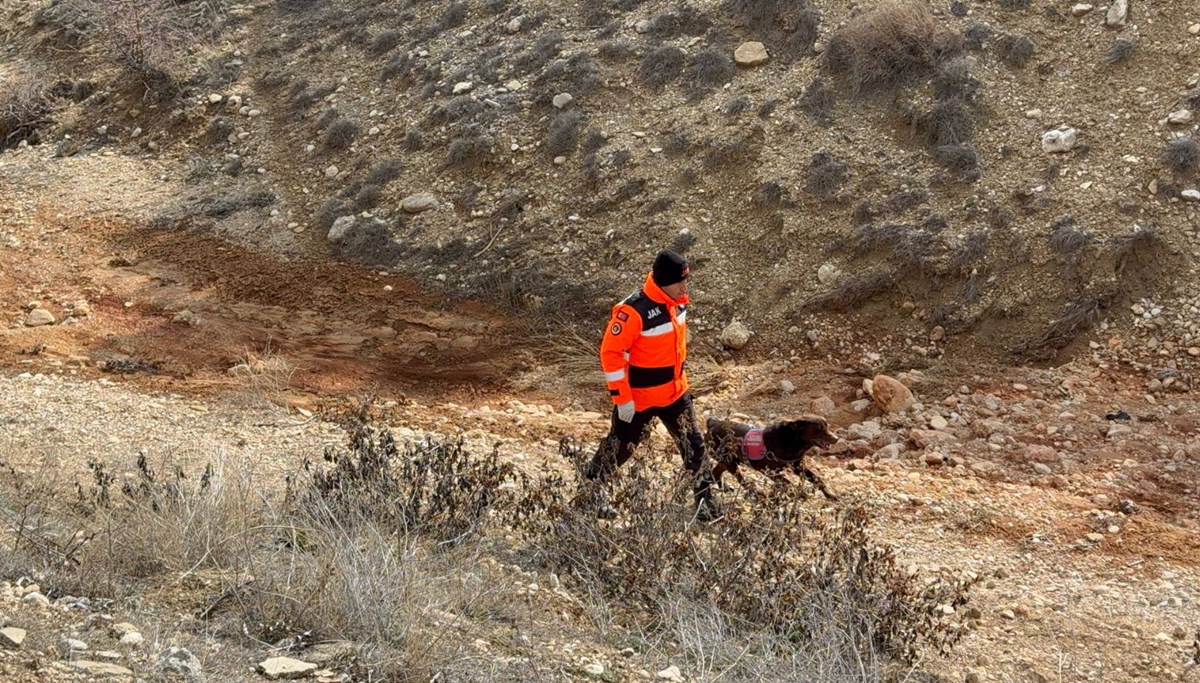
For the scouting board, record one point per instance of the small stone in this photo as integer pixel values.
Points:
(937, 334)
(254, 113)
(827, 274)
(101, 669)
(560, 160)
(975, 676)
(938, 422)
(643, 26)
(823, 406)
(465, 86)
(935, 459)
(186, 317)
(1042, 468)
(562, 100)
(36, 598)
(594, 669)
(11, 637)
(735, 335)
(1191, 195)
(671, 673)
(513, 25)
(418, 203)
(786, 387)
(1194, 29)
(341, 227)
(1058, 141)
(73, 645)
(215, 98)
(181, 660)
(1118, 12)
(1180, 117)
(1095, 538)
(285, 668)
(751, 54)
(39, 317)
(124, 627)
(331, 171)
(1008, 614)
(1193, 351)
(1081, 9)
(132, 639)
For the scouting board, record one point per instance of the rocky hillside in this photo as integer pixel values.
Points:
(966, 177)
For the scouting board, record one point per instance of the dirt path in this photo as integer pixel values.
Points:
(187, 305)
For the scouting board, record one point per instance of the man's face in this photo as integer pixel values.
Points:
(677, 290)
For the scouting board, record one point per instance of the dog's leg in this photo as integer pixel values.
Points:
(802, 469)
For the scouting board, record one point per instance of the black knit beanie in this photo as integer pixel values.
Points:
(669, 268)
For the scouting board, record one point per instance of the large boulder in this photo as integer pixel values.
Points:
(890, 395)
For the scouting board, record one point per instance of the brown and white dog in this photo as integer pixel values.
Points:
(771, 450)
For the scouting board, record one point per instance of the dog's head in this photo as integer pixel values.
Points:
(806, 432)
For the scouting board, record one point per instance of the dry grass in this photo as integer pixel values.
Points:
(264, 376)
(1182, 155)
(25, 108)
(889, 44)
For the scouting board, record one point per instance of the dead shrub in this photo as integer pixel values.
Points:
(708, 69)
(1016, 4)
(1077, 317)
(1182, 155)
(736, 106)
(340, 134)
(615, 51)
(888, 45)
(564, 133)
(1068, 241)
(684, 21)
(545, 48)
(384, 42)
(953, 81)
(741, 150)
(1014, 49)
(853, 292)
(788, 27)
(1120, 50)
(384, 172)
(25, 108)
(661, 66)
(370, 243)
(826, 175)
(817, 101)
(961, 160)
(147, 39)
(977, 35)
(468, 151)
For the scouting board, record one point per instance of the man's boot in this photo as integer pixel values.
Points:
(707, 509)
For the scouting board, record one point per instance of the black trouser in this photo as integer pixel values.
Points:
(623, 438)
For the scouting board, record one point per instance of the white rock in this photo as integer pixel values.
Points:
(36, 598)
(1180, 117)
(285, 668)
(1194, 29)
(418, 203)
(38, 317)
(465, 86)
(215, 98)
(341, 226)
(132, 639)
(513, 25)
(1055, 141)
(938, 422)
(180, 660)
(1082, 9)
(787, 387)
(827, 274)
(562, 99)
(514, 85)
(594, 669)
(1118, 12)
(1191, 195)
(735, 335)
(11, 637)
(751, 54)
(643, 26)
(332, 171)
(671, 673)
(73, 645)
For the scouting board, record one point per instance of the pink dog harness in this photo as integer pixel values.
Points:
(752, 445)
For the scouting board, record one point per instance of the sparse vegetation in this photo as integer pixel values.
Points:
(468, 151)
(888, 45)
(661, 66)
(1182, 155)
(788, 27)
(708, 69)
(384, 42)
(826, 175)
(684, 21)
(25, 108)
(817, 101)
(1014, 49)
(564, 133)
(1120, 50)
(340, 134)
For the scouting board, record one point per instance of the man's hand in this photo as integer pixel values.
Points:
(625, 412)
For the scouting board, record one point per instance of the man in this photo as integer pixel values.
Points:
(642, 355)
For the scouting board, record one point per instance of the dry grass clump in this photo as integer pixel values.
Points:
(25, 108)
(661, 66)
(340, 134)
(1182, 155)
(1014, 49)
(826, 175)
(889, 44)
(788, 27)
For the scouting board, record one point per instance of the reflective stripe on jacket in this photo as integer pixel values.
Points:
(644, 349)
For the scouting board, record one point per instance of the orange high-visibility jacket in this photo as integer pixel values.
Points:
(644, 349)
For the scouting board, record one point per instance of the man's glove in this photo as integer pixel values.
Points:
(625, 411)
